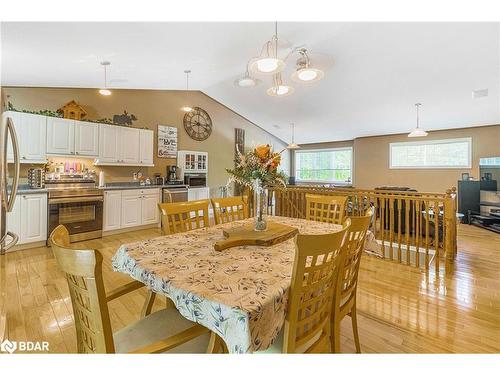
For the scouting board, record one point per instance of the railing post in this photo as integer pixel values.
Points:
(450, 217)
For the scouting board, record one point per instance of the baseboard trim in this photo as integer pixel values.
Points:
(26, 246)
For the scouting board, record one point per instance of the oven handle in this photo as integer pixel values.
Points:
(75, 200)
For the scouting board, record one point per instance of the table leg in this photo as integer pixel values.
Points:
(216, 345)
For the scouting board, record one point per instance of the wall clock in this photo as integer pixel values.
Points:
(198, 124)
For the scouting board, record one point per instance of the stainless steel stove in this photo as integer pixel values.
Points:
(76, 203)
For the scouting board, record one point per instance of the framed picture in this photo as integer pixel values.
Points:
(167, 141)
(465, 177)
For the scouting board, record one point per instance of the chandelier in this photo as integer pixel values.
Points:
(269, 63)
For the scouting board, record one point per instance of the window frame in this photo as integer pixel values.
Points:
(431, 142)
(302, 151)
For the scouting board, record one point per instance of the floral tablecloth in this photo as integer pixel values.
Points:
(239, 293)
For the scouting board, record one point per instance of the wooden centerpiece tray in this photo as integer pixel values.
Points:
(247, 236)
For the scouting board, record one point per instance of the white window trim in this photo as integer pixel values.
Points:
(436, 141)
(301, 151)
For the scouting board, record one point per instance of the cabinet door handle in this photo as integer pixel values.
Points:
(77, 153)
(23, 157)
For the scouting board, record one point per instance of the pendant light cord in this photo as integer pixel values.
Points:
(418, 118)
(105, 77)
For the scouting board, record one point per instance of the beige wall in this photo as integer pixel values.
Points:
(153, 107)
(371, 159)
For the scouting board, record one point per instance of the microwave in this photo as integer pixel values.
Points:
(195, 179)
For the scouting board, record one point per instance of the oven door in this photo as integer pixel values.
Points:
(81, 216)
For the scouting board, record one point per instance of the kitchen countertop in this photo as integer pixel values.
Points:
(26, 189)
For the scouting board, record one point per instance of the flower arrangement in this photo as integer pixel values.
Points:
(260, 166)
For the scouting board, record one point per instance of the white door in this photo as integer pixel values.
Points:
(33, 217)
(131, 208)
(109, 140)
(14, 219)
(60, 136)
(112, 210)
(31, 134)
(129, 145)
(150, 210)
(146, 146)
(192, 194)
(86, 138)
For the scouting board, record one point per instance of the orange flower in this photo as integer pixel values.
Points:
(276, 160)
(263, 151)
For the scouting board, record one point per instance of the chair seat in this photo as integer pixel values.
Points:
(155, 327)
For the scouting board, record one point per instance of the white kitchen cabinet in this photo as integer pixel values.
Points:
(60, 136)
(146, 147)
(131, 208)
(31, 135)
(195, 194)
(86, 139)
(129, 145)
(112, 210)
(109, 144)
(150, 210)
(119, 145)
(28, 219)
(192, 162)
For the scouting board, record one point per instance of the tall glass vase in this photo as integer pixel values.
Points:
(259, 206)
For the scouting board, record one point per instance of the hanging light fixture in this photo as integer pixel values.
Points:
(303, 72)
(268, 62)
(293, 145)
(247, 80)
(279, 88)
(418, 132)
(187, 108)
(104, 91)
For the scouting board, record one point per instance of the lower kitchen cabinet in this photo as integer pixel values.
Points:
(112, 210)
(130, 208)
(28, 218)
(195, 194)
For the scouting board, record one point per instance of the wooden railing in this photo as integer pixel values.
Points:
(412, 228)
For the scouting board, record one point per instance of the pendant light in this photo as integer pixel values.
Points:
(104, 91)
(246, 81)
(293, 145)
(268, 61)
(279, 88)
(303, 72)
(418, 132)
(187, 108)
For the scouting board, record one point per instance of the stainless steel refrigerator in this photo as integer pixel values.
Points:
(7, 191)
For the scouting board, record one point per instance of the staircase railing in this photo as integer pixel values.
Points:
(411, 227)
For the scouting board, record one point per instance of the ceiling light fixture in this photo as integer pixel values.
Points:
(268, 62)
(104, 91)
(246, 81)
(187, 108)
(293, 145)
(279, 88)
(304, 73)
(418, 132)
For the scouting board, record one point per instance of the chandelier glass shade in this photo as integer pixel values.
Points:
(304, 73)
(279, 88)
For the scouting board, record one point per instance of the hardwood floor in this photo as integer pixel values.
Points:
(400, 309)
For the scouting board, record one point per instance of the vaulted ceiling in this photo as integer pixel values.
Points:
(374, 72)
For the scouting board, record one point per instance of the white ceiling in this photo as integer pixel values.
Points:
(374, 72)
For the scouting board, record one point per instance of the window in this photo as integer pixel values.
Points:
(328, 165)
(444, 153)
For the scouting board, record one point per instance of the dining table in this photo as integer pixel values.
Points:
(240, 293)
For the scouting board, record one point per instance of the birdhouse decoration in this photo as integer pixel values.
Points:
(72, 110)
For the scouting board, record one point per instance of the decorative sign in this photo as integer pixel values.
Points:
(167, 141)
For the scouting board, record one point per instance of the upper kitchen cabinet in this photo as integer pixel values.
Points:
(146, 147)
(60, 136)
(86, 139)
(31, 136)
(120, 145)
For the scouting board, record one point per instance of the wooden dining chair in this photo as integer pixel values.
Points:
(184, 216)
(230, 209)
(344, 300)
(314, 276)
(162, 331)
(326, 208)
